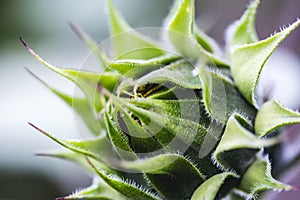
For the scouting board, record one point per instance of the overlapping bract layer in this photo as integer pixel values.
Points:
(180, 126)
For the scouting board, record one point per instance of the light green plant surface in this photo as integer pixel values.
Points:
(208, 144)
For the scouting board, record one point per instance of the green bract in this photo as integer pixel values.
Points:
(177, 123)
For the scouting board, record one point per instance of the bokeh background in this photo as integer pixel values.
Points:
(44, 25)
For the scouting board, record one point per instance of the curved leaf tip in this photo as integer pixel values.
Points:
(211, 187)
(273, 115)
(243, 30)
(27, 46)
(236, 137)
(40, 130)
(248, 60)
(128, 43)
(258, 178)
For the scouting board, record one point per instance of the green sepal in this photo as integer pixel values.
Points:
(180, 25)
(221, 98)
(248, 60)
(208, 43)
(127, 43)
(179, 108)
(258, 178)
(243, 30)
(172, 130)
(181, 17)
(273, 115)
(238, 146)
(179, 73)
(177, 127)
(141, 140)
(211, 188)
(118, 139)
(165, 94)
(123, 145)
(165, 172)
(128, 188)
(99, 190)
(137, 66)
(159, 164)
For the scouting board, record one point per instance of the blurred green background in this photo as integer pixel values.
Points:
(44, 26)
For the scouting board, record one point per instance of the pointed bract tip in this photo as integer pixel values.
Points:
(77, 30)
(33, 125)
(36, 77)
(31, 73)
(40, 130)
(23, 42)
(27, 47)
(42, 154)
(72, 25)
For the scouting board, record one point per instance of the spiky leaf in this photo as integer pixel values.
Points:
(237, 146)
(221, 98)
(258, 178)
(166, 172)
(210, 188)
(99, 149)
(243, 31)
(128, 189)
(180, 25)
(181, 73)
(129, 44)
(273, 115)
(99, 190)
(248, 60)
